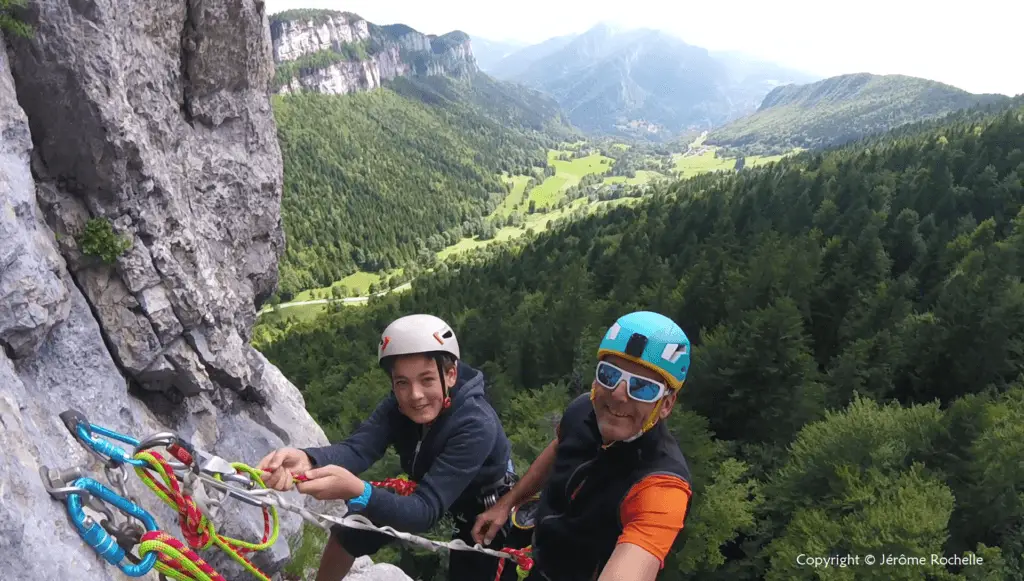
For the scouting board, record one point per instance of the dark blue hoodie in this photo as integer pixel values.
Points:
(464, 453)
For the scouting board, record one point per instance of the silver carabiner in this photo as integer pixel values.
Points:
(159, 439)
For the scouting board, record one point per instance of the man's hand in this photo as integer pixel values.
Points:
(331, 483)
(281, 465)
(489, 523)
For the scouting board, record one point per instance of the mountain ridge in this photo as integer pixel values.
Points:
(643, 81)
(488, 52)
(840, 109)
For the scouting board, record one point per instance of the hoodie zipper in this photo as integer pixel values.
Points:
(416, 453)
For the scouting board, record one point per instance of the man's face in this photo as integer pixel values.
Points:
(619, 416)
(418, 388)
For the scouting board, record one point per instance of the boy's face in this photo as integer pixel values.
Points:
(619, 416)
(418, 388)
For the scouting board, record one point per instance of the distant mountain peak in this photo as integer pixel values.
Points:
(612, 78)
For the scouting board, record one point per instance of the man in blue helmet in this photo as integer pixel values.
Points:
(616, 487)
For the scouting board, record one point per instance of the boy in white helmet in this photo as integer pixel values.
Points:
(449, 440)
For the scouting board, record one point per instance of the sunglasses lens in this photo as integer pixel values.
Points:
(608, 376)
(643, 389)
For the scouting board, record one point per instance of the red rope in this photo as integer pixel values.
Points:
(520, 556)
(190, 517)
(401, 486)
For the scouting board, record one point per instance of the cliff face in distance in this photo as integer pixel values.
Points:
(339, 52)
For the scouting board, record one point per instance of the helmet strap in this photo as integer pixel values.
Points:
(653, 418)
(447, 402)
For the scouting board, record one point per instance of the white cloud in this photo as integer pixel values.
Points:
(973, 45)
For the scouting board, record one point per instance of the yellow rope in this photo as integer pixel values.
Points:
(255, 474)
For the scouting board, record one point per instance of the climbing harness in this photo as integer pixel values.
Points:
(194, 483)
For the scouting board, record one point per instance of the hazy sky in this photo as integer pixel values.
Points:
(974, 45)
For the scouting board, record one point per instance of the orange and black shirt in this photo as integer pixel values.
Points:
(596, 498)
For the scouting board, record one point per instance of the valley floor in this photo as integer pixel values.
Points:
(354, 290)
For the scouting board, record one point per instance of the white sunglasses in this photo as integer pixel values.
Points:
(639, 388)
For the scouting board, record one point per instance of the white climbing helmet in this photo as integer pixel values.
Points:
(417, 334)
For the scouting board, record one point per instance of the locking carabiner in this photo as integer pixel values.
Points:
(96, 536)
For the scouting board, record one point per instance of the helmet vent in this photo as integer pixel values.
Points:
(636, 345)
(447, 334)
(673, 352)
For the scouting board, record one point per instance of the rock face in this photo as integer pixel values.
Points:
(153, 117)
(166, 132)
(33, 296)
(295, 38)
(338, 52)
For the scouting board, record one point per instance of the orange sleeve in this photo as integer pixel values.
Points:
(652, 513)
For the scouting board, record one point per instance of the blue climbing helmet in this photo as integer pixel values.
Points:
(652, 340)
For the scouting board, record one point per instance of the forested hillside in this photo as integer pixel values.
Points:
(841, 109)
(858, 328)
(369, 177)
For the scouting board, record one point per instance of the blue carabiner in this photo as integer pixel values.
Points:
(97, 537)
(83, 430)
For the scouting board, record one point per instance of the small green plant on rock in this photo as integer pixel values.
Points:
(100, 240)
(9, 22)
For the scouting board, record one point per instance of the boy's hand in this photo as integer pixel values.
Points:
(281, 465)
(330, 483)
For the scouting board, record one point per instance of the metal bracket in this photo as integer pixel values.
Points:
(71, 419)
(56, 482)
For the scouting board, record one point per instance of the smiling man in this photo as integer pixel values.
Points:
(616, 487)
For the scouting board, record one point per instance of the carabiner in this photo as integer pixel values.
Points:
(164, 439)
(83, 430)
(97, 537)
